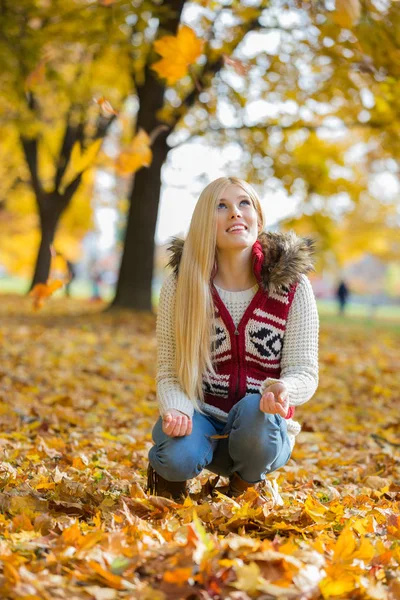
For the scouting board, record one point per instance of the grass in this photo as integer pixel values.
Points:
(357, 315)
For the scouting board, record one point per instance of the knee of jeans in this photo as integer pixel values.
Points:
(249, 410)
(174, 464)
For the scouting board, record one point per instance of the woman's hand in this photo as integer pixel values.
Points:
(275, 400)
(176, 424)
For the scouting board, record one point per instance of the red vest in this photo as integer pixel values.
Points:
(245, 356)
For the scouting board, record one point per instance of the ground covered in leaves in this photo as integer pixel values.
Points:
(77, 404)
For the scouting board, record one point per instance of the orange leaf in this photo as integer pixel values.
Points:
(72, 534)
(137, 155)
(178, 576)
(112, 580)
(44, 290)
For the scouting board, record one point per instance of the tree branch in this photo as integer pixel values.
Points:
(72, 134)
(71, 188)
(293, 127)
(103, 125)
(30, 147)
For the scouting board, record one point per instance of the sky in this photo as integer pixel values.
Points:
(189, 169)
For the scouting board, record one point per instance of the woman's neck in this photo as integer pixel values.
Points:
(235, 270)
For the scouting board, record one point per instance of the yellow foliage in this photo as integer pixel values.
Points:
(81, 160)
(347, 12)
(137, 155)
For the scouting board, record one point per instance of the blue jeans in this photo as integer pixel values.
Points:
(257, 444)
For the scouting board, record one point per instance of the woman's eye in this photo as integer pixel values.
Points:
(247, 201)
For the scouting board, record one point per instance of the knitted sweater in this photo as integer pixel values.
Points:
(299, 355)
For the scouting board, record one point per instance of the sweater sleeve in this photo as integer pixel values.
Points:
(299, 360)
(169, 391)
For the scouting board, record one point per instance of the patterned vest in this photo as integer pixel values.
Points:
(245, 356)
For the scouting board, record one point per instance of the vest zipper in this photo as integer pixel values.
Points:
(236, 332)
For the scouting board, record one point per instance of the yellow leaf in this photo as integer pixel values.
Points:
(248, 578)
(365, 525)
(338, 584)
(366, 551)
(316, 510)
(345, 545)
(178, 53)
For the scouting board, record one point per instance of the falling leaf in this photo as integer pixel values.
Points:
(41, 291)
(179, 53)
(106, 107)
(240, 67)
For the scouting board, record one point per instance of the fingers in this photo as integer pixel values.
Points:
(177, 425)
(269, 405)
(281, 410)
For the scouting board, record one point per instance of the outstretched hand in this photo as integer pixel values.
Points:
(176, 424)
(275, 400)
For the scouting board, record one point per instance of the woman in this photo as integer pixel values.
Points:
(237, 333)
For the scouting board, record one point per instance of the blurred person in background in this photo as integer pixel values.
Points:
(342, 294)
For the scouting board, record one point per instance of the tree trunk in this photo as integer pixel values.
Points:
(51, 207)
(136, 270)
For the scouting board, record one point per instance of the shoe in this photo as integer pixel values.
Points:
(158, 486)
(237, 486)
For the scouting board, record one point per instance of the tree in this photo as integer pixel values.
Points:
(54, 58)
(321, 68)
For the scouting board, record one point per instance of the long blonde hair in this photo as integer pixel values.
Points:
(194, 309)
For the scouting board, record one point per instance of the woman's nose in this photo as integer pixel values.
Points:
(235, 212)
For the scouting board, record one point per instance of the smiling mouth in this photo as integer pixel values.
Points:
(235, 229)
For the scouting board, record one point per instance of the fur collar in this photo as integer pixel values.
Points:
(279, 258)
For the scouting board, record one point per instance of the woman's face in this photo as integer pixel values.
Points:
(237, 223)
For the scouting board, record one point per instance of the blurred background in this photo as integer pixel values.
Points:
(115, 115)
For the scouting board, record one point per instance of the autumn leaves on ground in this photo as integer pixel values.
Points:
(77, 390)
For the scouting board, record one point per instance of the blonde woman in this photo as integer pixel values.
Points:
(237, 333)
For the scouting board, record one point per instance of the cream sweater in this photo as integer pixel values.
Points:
(299, 359)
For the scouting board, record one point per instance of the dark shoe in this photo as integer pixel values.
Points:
(158, 486)
(237, 486)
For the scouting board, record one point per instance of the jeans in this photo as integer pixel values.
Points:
(257, 444)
